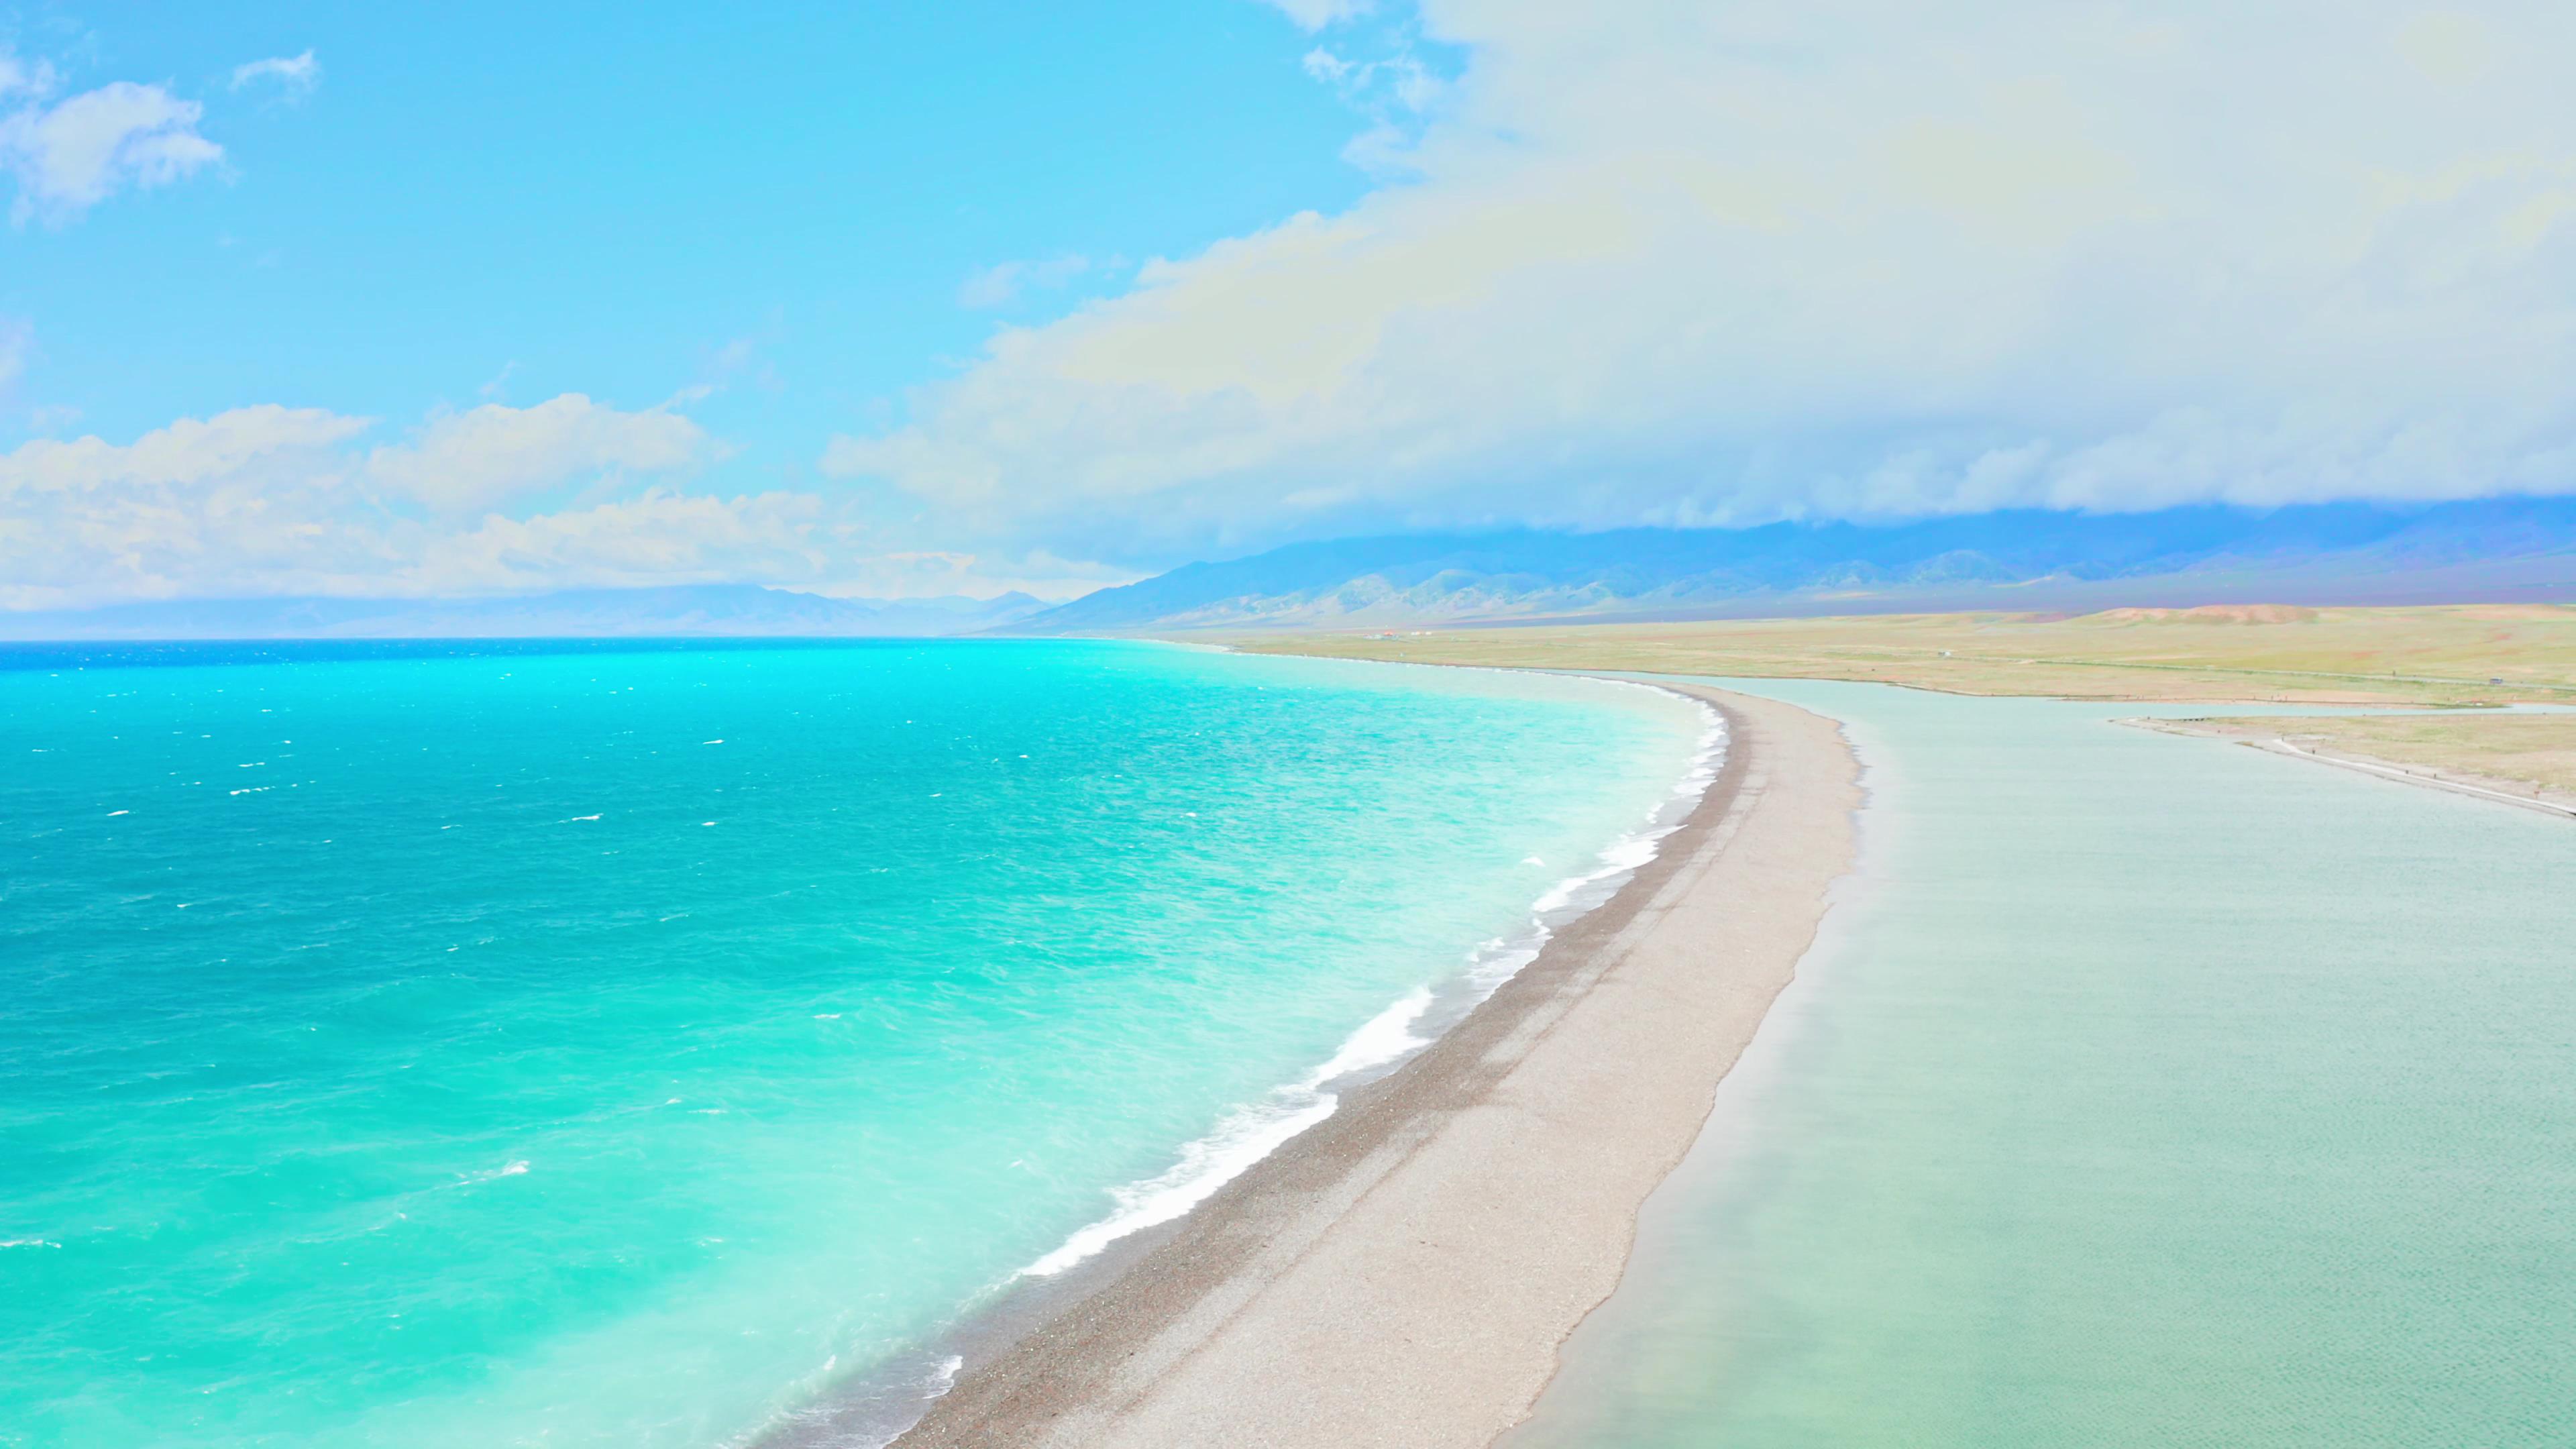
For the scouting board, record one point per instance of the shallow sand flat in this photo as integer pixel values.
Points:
(2519, 759)
(1404, 1273)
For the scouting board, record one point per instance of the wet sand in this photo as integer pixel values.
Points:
(1403, 1273)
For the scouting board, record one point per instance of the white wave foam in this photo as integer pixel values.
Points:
(1243, 1138)
(468, 1179)
(1254, 1132)
(29, 1243)
(1499, 960)
(1388, 1036)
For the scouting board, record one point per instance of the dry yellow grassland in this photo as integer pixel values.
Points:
(2465, 654)
(2522, 754)
(2451, 657)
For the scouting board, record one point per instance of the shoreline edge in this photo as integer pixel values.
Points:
(1405, 1271)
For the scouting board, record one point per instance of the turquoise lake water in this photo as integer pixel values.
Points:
(430, 1045)
(2142, 1091)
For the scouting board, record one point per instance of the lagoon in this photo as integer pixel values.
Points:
(2141, 1091)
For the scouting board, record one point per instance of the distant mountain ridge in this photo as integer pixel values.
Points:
(2025, 560)
(2323, 553)
(713, 610)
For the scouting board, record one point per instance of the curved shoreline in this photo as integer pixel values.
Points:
(2278, 740)
(1403, 1272)
(1384, 1043)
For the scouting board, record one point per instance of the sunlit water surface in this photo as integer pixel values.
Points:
(429, 1045)
(2144, 1091)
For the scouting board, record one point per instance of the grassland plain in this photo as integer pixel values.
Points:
(2523, 754)
(2460, 660)
(2454, 655)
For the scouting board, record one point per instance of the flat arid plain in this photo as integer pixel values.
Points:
(2458, 664)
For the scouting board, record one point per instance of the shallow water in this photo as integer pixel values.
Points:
(581, 1045)
(2141, 1091)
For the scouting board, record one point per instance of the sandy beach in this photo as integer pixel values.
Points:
(1404, 1273)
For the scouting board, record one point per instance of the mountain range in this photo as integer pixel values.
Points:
(2034, 560)
(2487, 549)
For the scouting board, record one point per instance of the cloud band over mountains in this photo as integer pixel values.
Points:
(1682, 263)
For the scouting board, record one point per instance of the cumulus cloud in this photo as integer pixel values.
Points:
(70, 155)
(469, 461)
(233, 496)
(1664, 261)
(272, 500)
(188, 454)
(661, 537)
(296, 75)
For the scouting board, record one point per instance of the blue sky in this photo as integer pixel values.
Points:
(920, 299)
(607, 201)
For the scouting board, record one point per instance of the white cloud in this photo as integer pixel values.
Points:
(464, 462)
(1663, 261)
(271, 500)
(998, 285)
(296, 75)
(238, 447)
(220, 501)
(1401, 77)
(1325, 66)
(661, 537)
(1316, 14)
(77, 152)
(19, 78)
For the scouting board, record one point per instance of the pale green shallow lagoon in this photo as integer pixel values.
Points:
(2141, 1091)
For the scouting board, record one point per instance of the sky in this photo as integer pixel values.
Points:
(907, 300)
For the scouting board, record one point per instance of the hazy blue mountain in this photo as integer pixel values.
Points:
(2326, 553)
(2329, 553)
(695, 609)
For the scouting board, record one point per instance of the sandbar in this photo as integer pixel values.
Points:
(1404, 1273)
